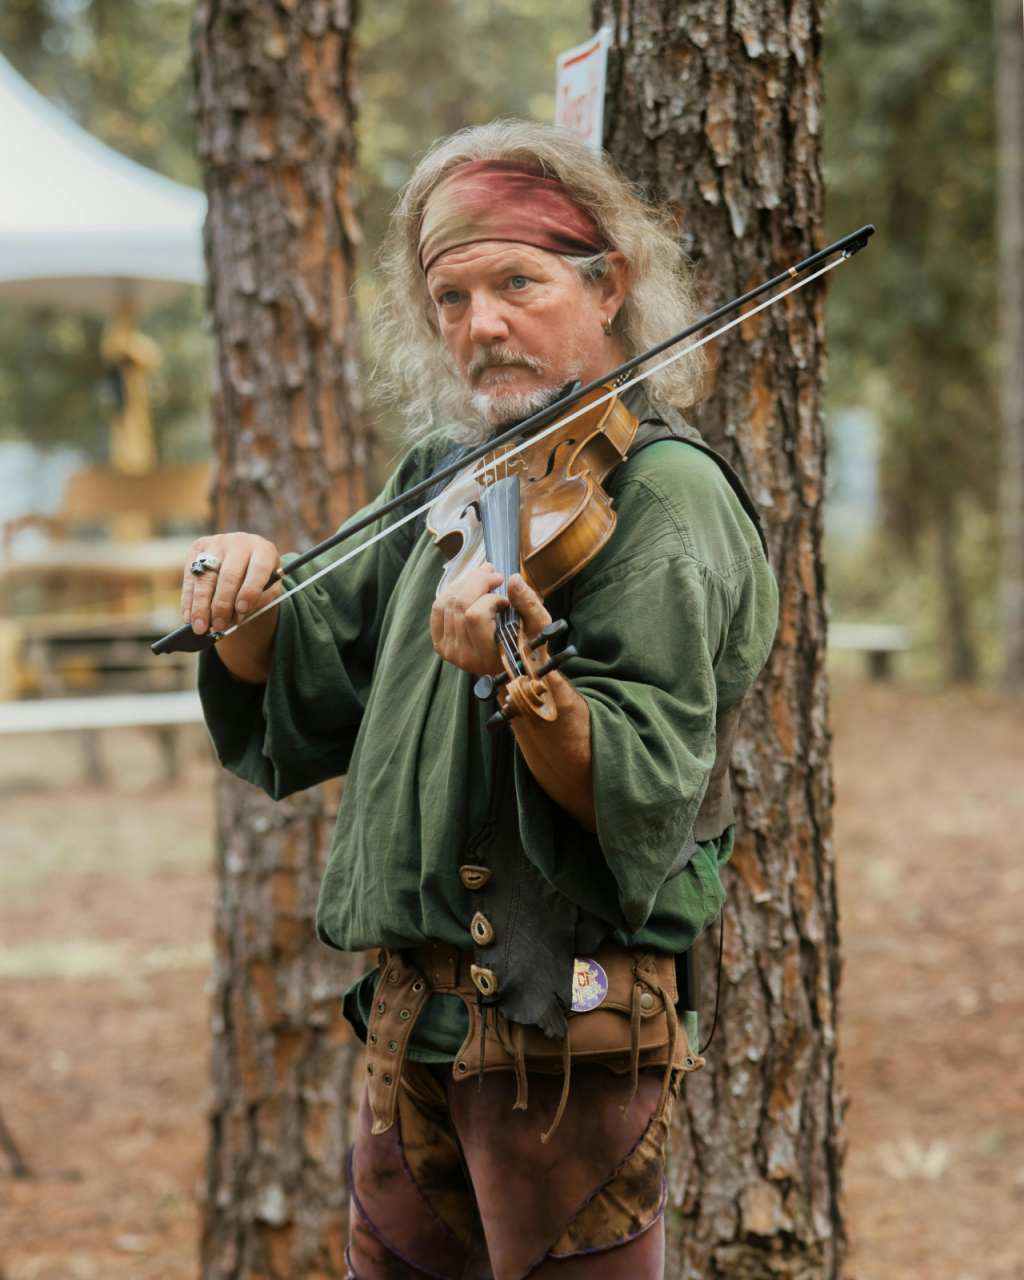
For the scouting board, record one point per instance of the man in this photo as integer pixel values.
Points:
(530, 890)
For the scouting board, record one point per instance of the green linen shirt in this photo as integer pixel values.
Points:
(673, 619)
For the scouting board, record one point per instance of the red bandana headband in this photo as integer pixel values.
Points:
(502, 200)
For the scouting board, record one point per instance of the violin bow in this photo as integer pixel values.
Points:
(184, 640)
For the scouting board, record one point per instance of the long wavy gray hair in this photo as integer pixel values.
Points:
(413, 367)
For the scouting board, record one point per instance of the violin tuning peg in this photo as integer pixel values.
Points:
(551, 632)
(486, 685)
(552, 664)
(496, 722)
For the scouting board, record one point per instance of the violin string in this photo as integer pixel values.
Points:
(507, 619)
(506, 624)
(496, 509)
(528, 443)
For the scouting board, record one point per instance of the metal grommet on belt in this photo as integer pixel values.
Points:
(396, 1005)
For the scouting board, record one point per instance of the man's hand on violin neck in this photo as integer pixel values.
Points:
(463, 620)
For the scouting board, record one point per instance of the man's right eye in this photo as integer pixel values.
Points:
(448, 298)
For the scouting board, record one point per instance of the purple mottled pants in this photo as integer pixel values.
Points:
(461, 1187)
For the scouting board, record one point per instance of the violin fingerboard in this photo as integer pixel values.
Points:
(499, 515)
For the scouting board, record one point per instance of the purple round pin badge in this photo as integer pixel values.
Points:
(589, 986)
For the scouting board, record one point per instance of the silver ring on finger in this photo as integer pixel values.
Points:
(204, 561)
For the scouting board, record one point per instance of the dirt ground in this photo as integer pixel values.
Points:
(105, 920)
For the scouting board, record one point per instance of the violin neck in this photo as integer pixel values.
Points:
(499, 515)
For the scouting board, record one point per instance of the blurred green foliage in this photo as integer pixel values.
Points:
(910, 146)
(120, 69)
(426, 72)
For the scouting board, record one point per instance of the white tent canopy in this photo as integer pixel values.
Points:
(80, 224)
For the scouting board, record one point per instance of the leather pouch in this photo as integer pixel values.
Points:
(636, 1016)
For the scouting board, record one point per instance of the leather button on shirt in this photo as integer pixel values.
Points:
(474, 878)
(481, 930)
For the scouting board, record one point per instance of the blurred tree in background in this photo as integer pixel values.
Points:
(910, 145)
(120, 69)
(1010, 92)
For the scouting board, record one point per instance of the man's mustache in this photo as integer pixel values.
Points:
(489, 357)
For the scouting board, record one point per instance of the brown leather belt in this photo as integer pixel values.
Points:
(634, 1026)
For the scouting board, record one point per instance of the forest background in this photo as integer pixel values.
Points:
(910, 142)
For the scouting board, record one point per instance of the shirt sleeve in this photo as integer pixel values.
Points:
(300, 727)
(652, 699)
(670, 631)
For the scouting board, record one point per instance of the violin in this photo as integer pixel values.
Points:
(543, 513)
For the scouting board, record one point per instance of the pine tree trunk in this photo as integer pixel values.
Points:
(961, 656)
(274, 92)
(715, 108)
(1010, 56)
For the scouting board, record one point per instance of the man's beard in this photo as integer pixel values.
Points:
(500, 411)
(497, 408)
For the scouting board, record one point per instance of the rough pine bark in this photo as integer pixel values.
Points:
(1010, 57)
(715, 107)
(274, 89)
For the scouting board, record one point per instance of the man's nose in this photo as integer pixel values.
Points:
(486, 321)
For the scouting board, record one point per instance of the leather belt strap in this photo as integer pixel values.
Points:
(448, 968)
(401, 994)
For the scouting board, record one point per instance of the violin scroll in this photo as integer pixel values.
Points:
(525, 692)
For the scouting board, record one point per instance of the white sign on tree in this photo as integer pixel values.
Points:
(579, 88)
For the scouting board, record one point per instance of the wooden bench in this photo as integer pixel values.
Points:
(57, 657)
(877, 641)
(76, 605)
(163, 712)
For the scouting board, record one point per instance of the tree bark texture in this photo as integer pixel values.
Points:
(715, 109)
(274, 86)
(961, 655)
(1010, 57)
